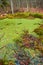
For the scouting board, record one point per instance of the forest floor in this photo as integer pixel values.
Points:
(19, 45)
(10, 29)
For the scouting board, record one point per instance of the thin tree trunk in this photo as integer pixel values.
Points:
(12, 9)
(19, 3)
(27, 4)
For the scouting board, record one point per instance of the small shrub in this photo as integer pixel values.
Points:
(37, 15)
(22, 15)
(2, 17)
(39, 30)
(10, 16)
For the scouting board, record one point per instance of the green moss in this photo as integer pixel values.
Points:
(13, 30)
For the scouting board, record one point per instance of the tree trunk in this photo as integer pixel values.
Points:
(27, 4)
(12, 9)
(19, 3)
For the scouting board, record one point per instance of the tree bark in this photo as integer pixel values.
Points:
(12, 9)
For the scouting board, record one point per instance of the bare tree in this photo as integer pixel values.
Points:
(12, 9)
(27, 4)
